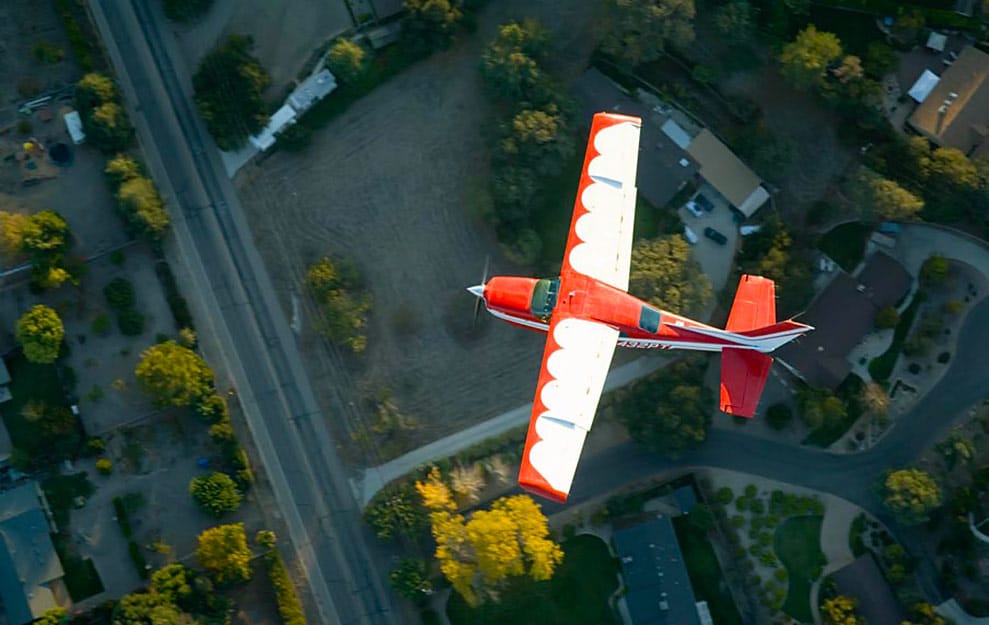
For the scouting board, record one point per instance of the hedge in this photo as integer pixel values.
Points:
(122, 518)
(289, 605)
(177, 303)
(138, 559)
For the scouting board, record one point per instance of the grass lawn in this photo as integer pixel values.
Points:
(705, 573)
(60, 490)
(81, 578)
(845, 244)
(881, 367)
(798, 544)
(577, 594)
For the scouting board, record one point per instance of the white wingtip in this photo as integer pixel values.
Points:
(477, 290)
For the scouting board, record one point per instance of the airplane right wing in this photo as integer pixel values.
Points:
(575, 364)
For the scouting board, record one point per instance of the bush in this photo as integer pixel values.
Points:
(46, 52)
(887, 318)
(289, 606)
(24, 127)
(122, 517)
(134, 550)
(119, 294)
(104, 466)
(724, 496)
(117, 257)
(213, 409)
(101, 325)
(215, 493)
(176, 303)
(130, 322)
(778, 416)
(295, 137)
(944, 357)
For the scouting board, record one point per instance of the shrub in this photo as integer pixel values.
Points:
(724, 496)
(778, 416)
(46, 52)
(24, 127)
(117, 257)
(130, 322)
(176, 303)
(215, 493)
(138, 559)
(101, 325)
(887, 318)
(944, 357)
(122, 518)
(289, 606)
(104, 466)
(295, 137)
(213, 409)
(738, 521)
(119, 294)
(96, 445)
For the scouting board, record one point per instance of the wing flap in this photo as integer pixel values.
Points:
(575, 365)
(600, 241)
(743, 376)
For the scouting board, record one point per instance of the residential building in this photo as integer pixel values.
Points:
(877, 603)
(955, 113)
(842, 314)
(655, 575)
(30, 571)
(727, 173)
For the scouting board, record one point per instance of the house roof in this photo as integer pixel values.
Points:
(958, 121)
(27, 557)
(281, 118)
(724, 171)
(842, 314)
(877, 602)
(924, 85)
(661, 170)
(313, 89)
(659, 591)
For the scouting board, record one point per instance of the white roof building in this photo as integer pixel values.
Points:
(282, 118)
(313, 89)
(924, 85)
(936, 41)
(73, 123)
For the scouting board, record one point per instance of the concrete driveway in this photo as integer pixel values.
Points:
(716, 260)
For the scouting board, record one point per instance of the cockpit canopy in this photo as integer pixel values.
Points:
(649, 320)
(544, 297)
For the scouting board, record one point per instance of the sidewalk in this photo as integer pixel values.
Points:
(374, 479)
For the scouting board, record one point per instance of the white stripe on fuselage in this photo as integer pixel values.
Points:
(535, 325)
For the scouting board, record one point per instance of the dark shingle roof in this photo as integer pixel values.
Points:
(659, 591)
(877, 602)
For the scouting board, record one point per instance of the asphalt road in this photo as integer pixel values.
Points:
(234, 296)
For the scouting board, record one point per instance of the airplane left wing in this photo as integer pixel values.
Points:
(575, 364)
(600, 241)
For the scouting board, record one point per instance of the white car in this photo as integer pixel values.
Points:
(690, 235)
(694, 209)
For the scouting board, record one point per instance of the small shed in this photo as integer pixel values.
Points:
(936, 41)
(924, 85)
(313, 89)
(266, 138)
(73, 123)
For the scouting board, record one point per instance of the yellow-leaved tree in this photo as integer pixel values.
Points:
(478, 555)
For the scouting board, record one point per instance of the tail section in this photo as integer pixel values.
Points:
(752, 326)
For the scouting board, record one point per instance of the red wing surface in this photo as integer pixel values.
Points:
(754, 306)
(743, 376)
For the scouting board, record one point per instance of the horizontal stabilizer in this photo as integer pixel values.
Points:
(754, 305)
(743, 376)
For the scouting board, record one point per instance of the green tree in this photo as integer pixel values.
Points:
(880, 59)
(537, 141)
(186, 10)
(638, 31)
(347, 60)
(957, 447)
(430, 24)
(92, 90)
(805, 60)
(142, 207)
(147, 608)
(343, 305)
(664, 274)
(53, 616)
(45, 234)
(173, 581)
(819, 407)
(886, 200)
(410, 580)
(840, 610)
(734, 21)
(174, 375)
(934, 271)
(40, 333)
(122, 168)
(911, 494)
(887, 318)
(924, 614)
(396, 511)
(11, 235)
(215, 493)
(223, 550)
(228, 87)
(108, 127)
(510, 64)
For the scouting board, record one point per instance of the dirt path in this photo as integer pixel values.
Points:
(386, 185)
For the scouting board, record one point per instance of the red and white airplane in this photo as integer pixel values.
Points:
(586, 312)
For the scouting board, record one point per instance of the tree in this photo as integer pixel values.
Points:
(840, 610)
(147, 608)
(875, 399)
(344, 307)
(347, 60)
(430, 24)
(819, 407)
(779, 416)
(45, 234)
(11, 235)
(537, 141)
(410, 581)
(215, 493)
(141, 205)
(92, 90)
(174, 375)
(108, 127)
(40, 332)
(53, 616)
(223, 550)
(956, 447)
(880, 59)
(887, 318)
(173, 581)
(934, 271)
(805, 60)
(887, 200)
(734, 21)
(911, 494)
(396, 511)
(122, 168)
(510, 63)
(924, 614)
(228, 87)
(186, 10)
(478, 556)
(638, 31)
(664, 274)
(467, 483)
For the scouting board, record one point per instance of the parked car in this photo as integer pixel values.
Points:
(690, 235)
(703, 202)
(747, 230)
(715, 236)
(694, 209)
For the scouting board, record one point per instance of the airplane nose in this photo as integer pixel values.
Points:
(478, 290)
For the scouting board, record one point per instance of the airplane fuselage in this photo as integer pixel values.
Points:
(529, 302)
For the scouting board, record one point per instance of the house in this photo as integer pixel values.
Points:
(282, 118)
(877, 603)
(30, 571)
(727, 173)
(842, 314)
(313, 89)
(956, 112)
(655, 575)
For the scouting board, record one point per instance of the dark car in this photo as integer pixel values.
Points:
(703, 202)
(715, 236)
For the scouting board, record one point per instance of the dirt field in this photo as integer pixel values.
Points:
(386, 185)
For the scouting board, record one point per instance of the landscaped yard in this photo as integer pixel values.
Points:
(578, 593)
(881, 367)
(29, 382)
(705, 573)
(849, 391)
(81, 578)
(798, 545)
(845, 244)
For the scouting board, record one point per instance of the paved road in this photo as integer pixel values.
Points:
(233, 296)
